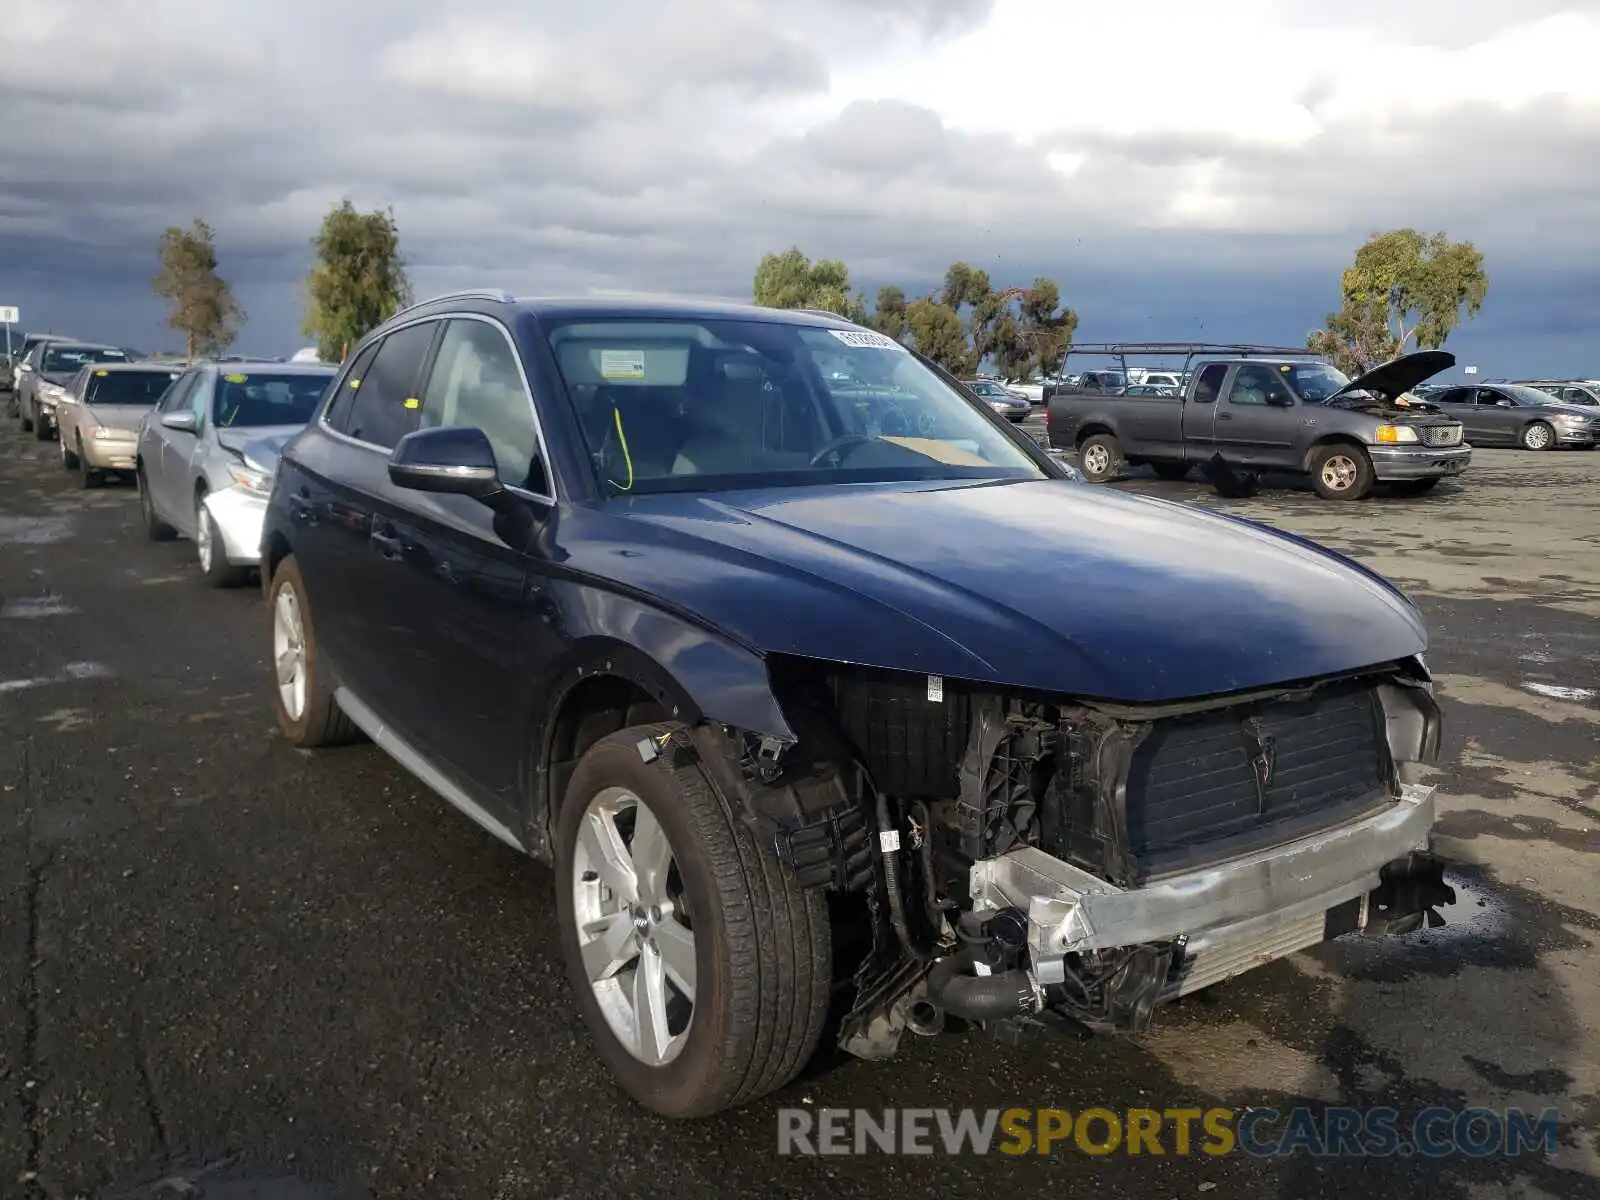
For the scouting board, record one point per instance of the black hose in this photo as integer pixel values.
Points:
(980, 997)
(891, 881)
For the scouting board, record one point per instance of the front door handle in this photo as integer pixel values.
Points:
(1224, 416)
(388, 544)
(302, 509)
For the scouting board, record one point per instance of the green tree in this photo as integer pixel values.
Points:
(791, 280)
(1045, 326)
(357, 280)
(200, 302)
(1406, 290)
(889, 317)
(937, 332)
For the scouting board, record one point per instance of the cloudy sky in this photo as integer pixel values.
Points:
(1185, 170)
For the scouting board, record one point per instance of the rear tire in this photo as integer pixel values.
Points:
(1100, 457)
(307, 713)
(1170, 471)
(155, 528)
(1341, 472)
(761, 944)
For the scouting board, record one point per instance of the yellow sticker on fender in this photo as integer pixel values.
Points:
(413, 402)
(236, 378)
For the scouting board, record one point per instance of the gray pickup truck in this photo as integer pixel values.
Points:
(1280, 413)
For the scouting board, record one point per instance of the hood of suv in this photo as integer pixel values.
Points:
(1040, 585)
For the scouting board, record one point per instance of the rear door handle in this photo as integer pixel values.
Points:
(302, 509)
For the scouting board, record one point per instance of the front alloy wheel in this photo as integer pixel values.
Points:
(1538, 436)
(289, 652)
(634, 928)
(702, 969)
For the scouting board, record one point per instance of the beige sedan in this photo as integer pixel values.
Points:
(99, 416)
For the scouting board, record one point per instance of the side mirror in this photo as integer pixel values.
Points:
(455, 459)
(25, 368)
(185, 420)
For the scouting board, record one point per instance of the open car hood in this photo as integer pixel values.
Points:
(1399, 376)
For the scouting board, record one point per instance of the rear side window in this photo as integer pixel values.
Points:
(1209, 385)
(386, 404)
(138, 388)
(339, 406)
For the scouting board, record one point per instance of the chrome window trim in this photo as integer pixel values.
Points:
(527, 393)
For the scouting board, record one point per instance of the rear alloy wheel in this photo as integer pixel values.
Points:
(1538, 436)
(1341, 472)
(155, 528)
(702, 970)
(213, 551)
(308, 714)
(1101, 457)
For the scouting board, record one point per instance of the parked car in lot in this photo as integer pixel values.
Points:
(45, 374)
(1008, 403)
(11, 374)
(1274, 413)
(205, 456)
(1584, 395)
(789, 681)
(98, 416)
(1509, 414)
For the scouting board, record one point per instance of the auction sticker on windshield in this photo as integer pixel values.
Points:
(622, 364)
(866, 338)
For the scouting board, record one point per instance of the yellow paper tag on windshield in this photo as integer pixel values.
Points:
(102, 374)
(413, 402)
(355, 383)
(236, 378)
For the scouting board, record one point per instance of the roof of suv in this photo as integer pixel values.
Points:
(598, 307)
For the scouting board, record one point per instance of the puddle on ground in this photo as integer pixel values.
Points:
(33, 531)
(1479, 931)
(36, 606)
(1559, 691)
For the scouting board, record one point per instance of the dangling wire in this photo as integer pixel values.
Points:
(622, 439)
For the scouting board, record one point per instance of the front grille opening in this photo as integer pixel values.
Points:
(1195, 792)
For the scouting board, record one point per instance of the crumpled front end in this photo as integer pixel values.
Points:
(1077, 864)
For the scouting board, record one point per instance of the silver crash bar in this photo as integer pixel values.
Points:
(1073, 912)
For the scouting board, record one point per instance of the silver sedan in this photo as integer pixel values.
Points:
(206, 455)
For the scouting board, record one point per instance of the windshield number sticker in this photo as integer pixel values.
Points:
(866, 339)
(236, 378)
(102, 374)
(622, 364)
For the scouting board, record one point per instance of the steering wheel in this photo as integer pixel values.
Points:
(837, 445)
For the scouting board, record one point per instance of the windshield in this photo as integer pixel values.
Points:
(60, 360)
(259, 398)
(709, 405)
(1528, 395)
(1315, 381)
(142, 388)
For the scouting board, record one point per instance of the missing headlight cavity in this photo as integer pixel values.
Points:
(940, 807)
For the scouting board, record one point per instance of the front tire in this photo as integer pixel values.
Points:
(155, 528)
(1101, 458)
(212, 551)
(41, 428)
(307, 713)
(669, 906)
(69, 460)
(1341, 472)
(1538, 436)
(88, 477)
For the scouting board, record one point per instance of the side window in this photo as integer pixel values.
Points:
(1209, 386)
(386, 402)
(1492, 398)
(177, 396)
(339, 406)
(75, 388)
(476, 381)
(1252, 383)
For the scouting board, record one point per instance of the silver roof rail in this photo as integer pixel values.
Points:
(498, 294)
